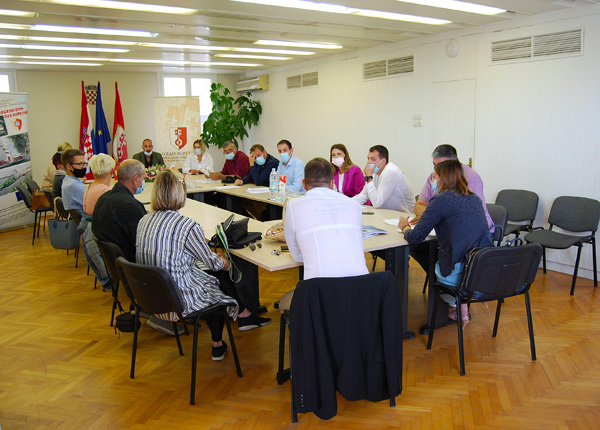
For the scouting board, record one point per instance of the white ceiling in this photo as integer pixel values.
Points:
(225, 23)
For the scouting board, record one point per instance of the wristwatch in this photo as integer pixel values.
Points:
(367, 178)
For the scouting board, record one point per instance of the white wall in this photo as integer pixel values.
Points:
(536, 122)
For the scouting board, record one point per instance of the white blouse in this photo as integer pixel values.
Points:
(191, 162)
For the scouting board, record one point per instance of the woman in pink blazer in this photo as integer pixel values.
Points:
(347, 177)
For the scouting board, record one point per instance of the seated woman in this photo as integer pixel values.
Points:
(169, 240)
(48, 180)
(102, 166)
(460, 225)
(199, 161)
(347, 177)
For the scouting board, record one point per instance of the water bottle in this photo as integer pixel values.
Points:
(273, 185)
(282, 188)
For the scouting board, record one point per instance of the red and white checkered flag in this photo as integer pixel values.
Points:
(85, 127)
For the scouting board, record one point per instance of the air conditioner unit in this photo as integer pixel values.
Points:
(259, 83)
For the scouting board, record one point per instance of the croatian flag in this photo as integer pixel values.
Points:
(85, 127)
(119, 141)
(102, 134)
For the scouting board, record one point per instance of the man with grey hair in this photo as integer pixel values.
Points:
(118, 212)
(236, 163)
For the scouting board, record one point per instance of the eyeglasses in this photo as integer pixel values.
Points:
(82, 164)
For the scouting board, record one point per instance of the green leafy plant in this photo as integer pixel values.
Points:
(230, 118)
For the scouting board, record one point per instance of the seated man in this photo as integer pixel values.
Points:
(261, 165)
(148, 157)
(236, 163)
(386, 186)
(73, 192)
(324, 228)
(420, 251)
(72, 188)
(291, 167)
(116, 217)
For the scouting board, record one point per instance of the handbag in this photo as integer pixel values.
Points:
(63, 234)
(230, 179)
(236, 234)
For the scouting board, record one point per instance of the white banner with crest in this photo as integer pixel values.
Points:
(177, 122)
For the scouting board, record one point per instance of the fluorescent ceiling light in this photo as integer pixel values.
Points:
(302, 4)
(77, 40)
(123, 5)
(39, 57)
(401, 17)
(336, 8)
(52, 63)
(298, 44)
(74, 48)
(14, 26)
(212, 63)
(17, 13)
(179, 46)
(458, 5)
(149, 61)
(11, 37)
(87, 30)
(253, 57)
(272, 51)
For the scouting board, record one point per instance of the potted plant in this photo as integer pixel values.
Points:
(230, 119)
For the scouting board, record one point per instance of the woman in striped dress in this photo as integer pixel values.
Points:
(169, 240)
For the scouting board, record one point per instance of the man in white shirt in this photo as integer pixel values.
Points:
(323, 229)
(386, 186)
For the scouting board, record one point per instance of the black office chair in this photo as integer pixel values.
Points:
(32, 186)
(494, 273)
(110, 252)
(50, 197)
(574, 214)
(37, 213)
(156, 293)
(499, 218)
(352, 326)
(521, 206)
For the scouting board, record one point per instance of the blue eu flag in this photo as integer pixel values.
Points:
(101, 134)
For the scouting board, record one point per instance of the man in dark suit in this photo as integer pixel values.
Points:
(148, 157)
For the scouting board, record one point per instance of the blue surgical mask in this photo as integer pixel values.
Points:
(260, 160)
(285, 157)
(148, 153)
(197, 151)
(230, 156)
(434, 186)
(140, 190)
(375, 168)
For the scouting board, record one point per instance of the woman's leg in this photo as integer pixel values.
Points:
(215, 324)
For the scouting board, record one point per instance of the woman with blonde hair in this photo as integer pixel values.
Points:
(176, 243)
(348, 178)
(198, 161)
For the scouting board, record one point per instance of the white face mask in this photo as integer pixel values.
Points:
(197, 151)
(338, 161)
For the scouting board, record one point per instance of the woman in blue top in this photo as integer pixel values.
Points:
(460, 225)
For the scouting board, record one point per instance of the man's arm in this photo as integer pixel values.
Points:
(159, 159)
(290, 236)
(363, 196)
(297, 177)
(384, 189)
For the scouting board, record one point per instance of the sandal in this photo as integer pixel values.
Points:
(452, 314)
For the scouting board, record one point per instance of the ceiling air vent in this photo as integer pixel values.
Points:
(294, 82)
(401, 65)
(566, 42)
(376, 69)
(310, 79)
(513, 49)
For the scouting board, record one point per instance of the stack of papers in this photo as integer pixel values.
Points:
(370, 231)
(258, 190)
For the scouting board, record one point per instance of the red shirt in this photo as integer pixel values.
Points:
(239, 166)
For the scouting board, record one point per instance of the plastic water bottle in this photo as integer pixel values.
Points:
(273, 185)
(282, 188)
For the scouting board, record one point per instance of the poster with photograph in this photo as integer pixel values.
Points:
(15, 159)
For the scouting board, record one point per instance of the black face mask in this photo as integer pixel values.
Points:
(79, 173)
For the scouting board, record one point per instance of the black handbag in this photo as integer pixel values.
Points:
(230, 179)
(236, 234)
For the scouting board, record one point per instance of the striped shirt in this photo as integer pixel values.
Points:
(177, 244)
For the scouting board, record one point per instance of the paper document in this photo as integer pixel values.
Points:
(393, 222)
(226, 187)
(258, 190)
(370, 231)
(206, 181)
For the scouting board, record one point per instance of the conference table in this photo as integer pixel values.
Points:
(392, 243)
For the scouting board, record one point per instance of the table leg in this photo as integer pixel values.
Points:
(197, 196)
(396, 261)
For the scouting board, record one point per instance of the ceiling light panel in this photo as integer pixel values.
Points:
(123, 5)
(180, 46)
(52, 63)
(253, 57)
(458, 5)
(298, 44)
(22, 13)
(272, 51)
(87, 30)
(77, 40)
